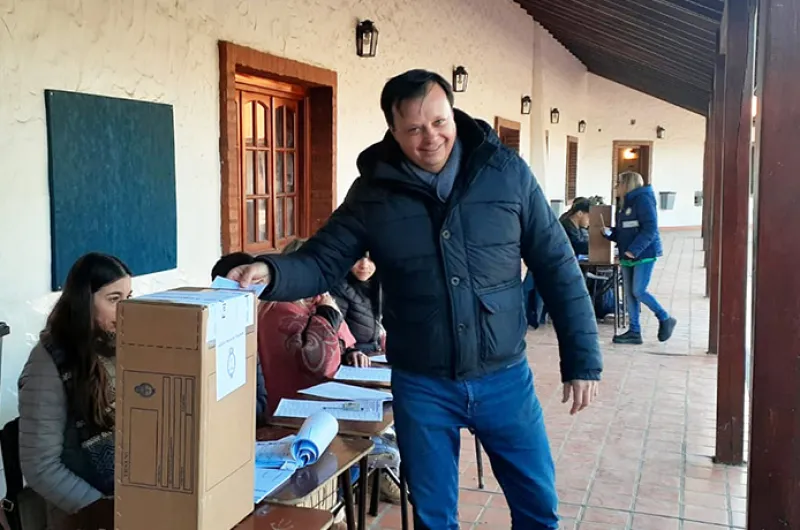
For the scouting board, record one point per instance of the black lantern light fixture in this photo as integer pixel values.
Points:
(661, 132)
(554, 115)
(525, 107)
(460, 79)
(582, 126)
(366, 39)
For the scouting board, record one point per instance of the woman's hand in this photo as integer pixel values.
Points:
(324, 299)
(357, 359)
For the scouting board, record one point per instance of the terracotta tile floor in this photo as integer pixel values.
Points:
(641, 457)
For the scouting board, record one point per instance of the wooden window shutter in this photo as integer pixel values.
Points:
(572, 169)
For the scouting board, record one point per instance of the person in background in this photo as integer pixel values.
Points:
(67, 393)
(639, 244)
(222, 268)
(576, 224)
(359, 299)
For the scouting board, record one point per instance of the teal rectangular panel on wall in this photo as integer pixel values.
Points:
(112, 181)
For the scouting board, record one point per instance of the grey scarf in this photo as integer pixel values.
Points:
(443, 181)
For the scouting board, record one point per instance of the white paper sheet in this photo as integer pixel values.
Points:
(269, 480)
(231, 365)
(352, 373)
(340, 391)
(378, 359)
(276, 454)
(341, 410)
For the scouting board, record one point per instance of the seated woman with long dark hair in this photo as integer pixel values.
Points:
(67, 393)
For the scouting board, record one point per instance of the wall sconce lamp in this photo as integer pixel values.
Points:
(554, 115)
(366, 39)
(661, 132)
(460, 79)
(582, 126)
(525, 107)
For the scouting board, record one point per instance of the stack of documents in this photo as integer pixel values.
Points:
(373, 375)
(342, 392)
(269, 480)
(341, 410)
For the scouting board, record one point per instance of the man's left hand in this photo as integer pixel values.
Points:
(582, 392)
(629, 255)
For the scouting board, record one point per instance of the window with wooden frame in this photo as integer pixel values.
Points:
(272, 148)
(572, 169)
(277, 129)
(508, 131)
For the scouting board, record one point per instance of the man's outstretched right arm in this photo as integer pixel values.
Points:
(322, 261)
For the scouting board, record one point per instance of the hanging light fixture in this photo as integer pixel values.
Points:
(661, 132)
(460, 79)
(525, 107)
(581, 126)
(554, 115)
(366, 39)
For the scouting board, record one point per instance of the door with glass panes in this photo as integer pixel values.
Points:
(271, 145)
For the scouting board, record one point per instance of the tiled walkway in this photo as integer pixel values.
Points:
(640, 458)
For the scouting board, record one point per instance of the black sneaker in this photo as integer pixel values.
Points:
(665, 329)
(629, 337)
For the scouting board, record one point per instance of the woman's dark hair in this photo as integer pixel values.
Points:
(229, 262)
(580, 204)
(413, 84)
(71, 328)
(293, 246)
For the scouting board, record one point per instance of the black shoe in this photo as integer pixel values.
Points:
(665, 329)
(629, 337)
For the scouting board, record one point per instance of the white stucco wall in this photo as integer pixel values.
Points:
(166, 51)
(677, 159)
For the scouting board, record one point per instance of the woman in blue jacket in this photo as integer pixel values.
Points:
(636, 236)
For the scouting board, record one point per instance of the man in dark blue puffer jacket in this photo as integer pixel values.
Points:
(446, 212)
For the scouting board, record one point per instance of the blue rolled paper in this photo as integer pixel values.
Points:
(314, 437)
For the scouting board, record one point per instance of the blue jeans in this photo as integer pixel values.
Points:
(504, 412)
(636, 279)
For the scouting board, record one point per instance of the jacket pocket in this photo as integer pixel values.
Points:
(501, 319)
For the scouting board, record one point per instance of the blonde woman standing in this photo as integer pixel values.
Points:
(639, 243)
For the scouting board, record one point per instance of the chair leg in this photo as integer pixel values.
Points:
(375, 495)
(479, 458)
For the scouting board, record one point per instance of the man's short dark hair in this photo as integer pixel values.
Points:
(413, 84)
(229, 262)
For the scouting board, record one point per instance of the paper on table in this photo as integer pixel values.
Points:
(331, 390)
(378, 359)
(221, 282)
(342, 410)
(314, 437)
(268, 480)
(276, 454)
(352, 373)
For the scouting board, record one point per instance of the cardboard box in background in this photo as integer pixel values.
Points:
(601, 250)
(185, 418)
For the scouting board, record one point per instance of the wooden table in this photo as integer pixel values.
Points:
(620, 304)
(272, 517)
(342, 454)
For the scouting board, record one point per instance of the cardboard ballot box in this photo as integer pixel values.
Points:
(185, 418)
(601, 250)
